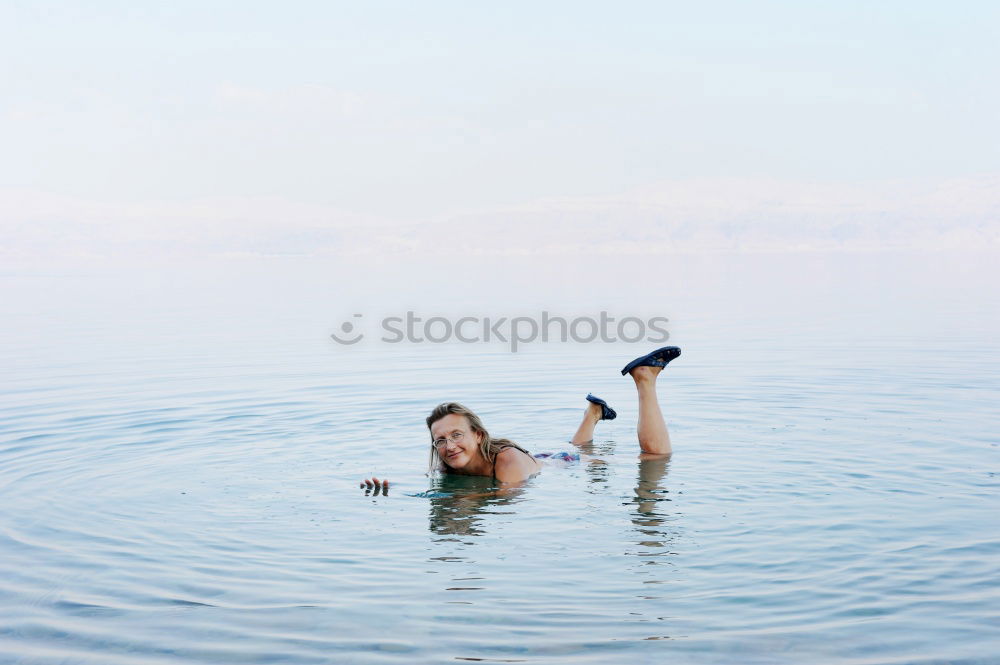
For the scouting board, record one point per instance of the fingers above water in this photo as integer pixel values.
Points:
(375, 486)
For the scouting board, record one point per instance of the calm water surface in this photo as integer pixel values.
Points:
(830, 500)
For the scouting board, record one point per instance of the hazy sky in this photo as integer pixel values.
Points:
(405, 111)
(587, 141)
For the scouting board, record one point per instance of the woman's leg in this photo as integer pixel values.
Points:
(585, 432)
(652, 430)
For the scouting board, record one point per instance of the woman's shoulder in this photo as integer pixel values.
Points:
(514, 464)
(513, 452)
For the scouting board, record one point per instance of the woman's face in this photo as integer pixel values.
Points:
(457, 445)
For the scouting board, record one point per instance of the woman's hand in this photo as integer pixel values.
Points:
(373, 486)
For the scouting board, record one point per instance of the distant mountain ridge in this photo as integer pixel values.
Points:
(678, 216)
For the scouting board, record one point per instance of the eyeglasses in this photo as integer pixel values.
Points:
(455, 437)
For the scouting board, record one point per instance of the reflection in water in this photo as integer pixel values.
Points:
(650, 503)
(650, 499)
(599, 472)
(458, 503)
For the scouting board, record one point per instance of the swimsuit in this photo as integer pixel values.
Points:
(564, 456)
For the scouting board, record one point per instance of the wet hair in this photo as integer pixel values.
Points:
(488, 446)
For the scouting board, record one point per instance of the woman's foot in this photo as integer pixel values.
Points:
(658, 358)
(596, 411)
(605, 412)
(645, 374)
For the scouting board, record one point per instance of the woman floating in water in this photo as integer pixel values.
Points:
(460, 443)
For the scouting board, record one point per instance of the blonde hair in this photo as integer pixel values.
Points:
(488, 446)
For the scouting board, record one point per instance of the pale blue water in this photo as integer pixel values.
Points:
(192, 497)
